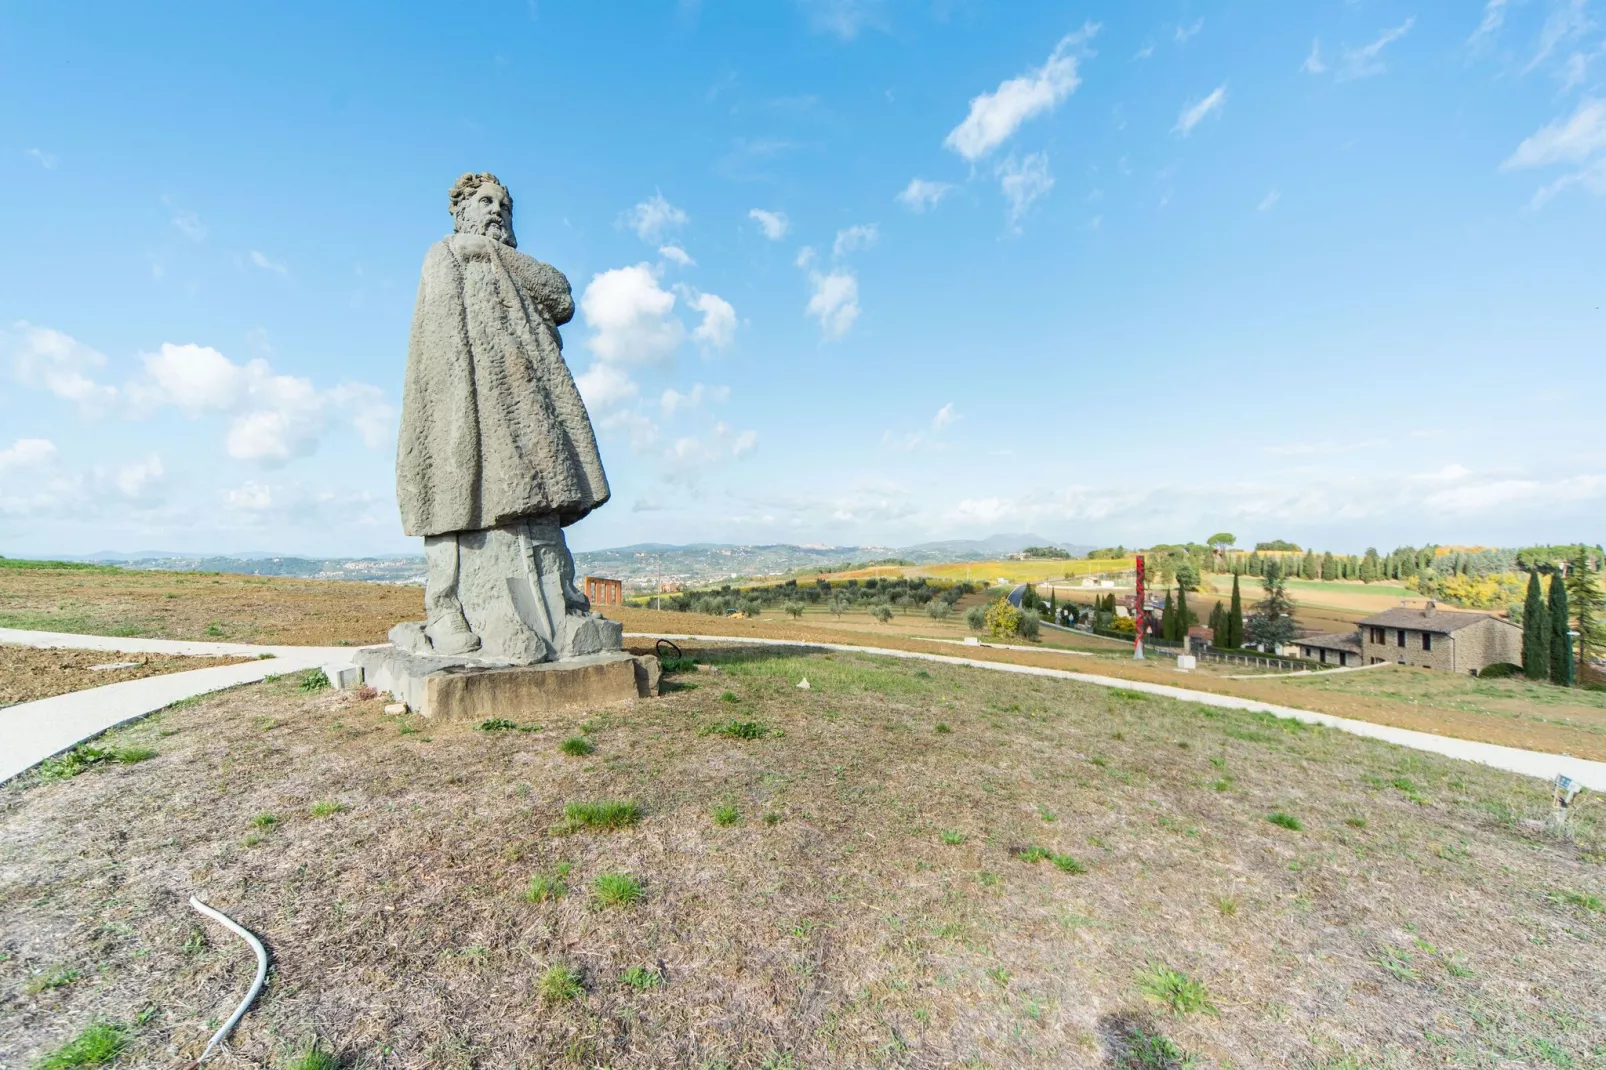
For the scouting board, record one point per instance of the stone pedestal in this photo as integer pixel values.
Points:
(477, 689)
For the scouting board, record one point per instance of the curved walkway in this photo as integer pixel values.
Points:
(1532, 763)
(30, 732)
(33, 731)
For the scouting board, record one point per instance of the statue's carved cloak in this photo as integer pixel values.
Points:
(492, 426)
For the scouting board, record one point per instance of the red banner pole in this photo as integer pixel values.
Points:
(1137, 615)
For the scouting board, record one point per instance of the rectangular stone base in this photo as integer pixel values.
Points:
(458, 690)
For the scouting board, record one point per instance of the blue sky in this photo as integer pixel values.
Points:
(848, 272)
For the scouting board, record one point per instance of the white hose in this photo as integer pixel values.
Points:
(256, 986)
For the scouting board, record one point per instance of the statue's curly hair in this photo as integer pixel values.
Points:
(465, 186)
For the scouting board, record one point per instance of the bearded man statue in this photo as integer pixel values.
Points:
(496, 454)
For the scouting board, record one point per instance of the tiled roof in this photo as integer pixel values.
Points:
(1350, 641)
(1441, 621)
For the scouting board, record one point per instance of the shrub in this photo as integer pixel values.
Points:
(1027, 627)
(794, 610)
(881, 612)
(938, 609)
(1002, 619)
(1499, 670)
(976, 618)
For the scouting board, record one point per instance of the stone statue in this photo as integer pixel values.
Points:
(496, 454)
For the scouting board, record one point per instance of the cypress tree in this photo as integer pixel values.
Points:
(1218, 624)
(1168, 620)
(1182, 613)
(1561, 644)
(1535, 632)
(1235, 618)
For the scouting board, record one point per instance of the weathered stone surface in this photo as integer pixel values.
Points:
(468, 688)
(496, 453)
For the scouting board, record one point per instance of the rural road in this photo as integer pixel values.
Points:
(33, 731)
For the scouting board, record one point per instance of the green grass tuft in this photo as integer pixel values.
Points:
(311, 680)
(641, 978)
(608, 814)
(943, 729)
(577, 746)
(738, 730)
(60, 977)
(553, 884)
(265, 820)
(952, 837)
(726, 816)
(497, 724)
(560, 984)
(84, 757)
(674, 664)
(1179, 993)
(1287, 821)
(95, 1046)
(728, 696)
(328, 808)
(1356, 822)
(616, 889)
(1578, 899)
(312, 1057)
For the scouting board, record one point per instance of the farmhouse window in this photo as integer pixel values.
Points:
(1427, 641)
(1402, 637)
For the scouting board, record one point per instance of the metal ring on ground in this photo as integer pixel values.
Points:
(659, 648)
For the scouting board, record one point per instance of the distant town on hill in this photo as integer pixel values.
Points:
(638, 565)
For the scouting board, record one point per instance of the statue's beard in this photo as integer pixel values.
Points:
(489, 228)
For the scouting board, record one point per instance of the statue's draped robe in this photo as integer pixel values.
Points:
(492, 426)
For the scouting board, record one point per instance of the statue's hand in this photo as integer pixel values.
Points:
(471, 246)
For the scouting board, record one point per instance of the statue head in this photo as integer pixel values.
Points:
(482, 205)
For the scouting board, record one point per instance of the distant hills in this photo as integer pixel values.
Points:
(695, 564)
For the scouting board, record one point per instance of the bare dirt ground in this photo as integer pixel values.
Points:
(869, 899)
(27, 674)
(193, 605)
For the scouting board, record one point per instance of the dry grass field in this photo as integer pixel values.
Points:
(904, 866)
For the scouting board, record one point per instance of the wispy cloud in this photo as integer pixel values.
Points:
(1266, 202)
(189, 224)
(1367, 61)
(928, 439)
(1494, 16)
(994, 117)
(1568, 21)
(1579, 139)
(852, 239)
(1184, 34)
(1024, 182)
(675, 254)
(1195, 113)
(265, 264)
(921, 195)
(45, 159)
(1313, 63)
(842, 18)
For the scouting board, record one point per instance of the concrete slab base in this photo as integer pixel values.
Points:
(471, 689)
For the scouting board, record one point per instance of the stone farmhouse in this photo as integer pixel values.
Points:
(1429, 638)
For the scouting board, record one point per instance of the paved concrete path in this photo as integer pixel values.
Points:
(30, 732)
(1532, 763)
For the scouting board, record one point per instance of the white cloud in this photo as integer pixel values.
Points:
(249, 496)
(1570, 140)
(834, 302)
(1367, 61)
(1184, 33)
(944, 418)
(994, 117)
(924, 440)
(1313, 63)
(1145, 52)
(677, 255)
(805, 256)
(26, 453)
(854, 238)
(47, 358)
(1568, 21)
(674, 401)
(134, 480)
(1023, 182)
(1195, 113)
(274, 417)
(631, 317)
(190, 225)
(46, 160)
(921, 195)
(265, 264)
(773, 224)
(1578, 139)
(653, 218)
(1266, 202)
(642, 431)
(604, 386)
(718, 328)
